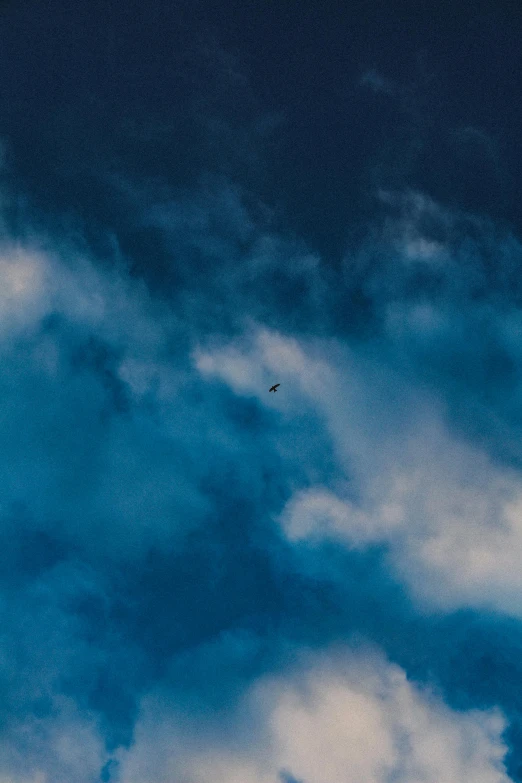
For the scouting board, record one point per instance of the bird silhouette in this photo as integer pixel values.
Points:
(274, 387)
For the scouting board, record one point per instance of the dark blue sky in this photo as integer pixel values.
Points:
(201, 581)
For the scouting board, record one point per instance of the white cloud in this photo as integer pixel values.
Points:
(250, 366)
(318, 513)
(346, 715)
(36, 282)
(23, 290)
(451, 517)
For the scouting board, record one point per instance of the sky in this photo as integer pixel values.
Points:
(202, 581)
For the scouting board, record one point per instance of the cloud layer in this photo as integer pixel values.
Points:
(199, 580)
(160, 467)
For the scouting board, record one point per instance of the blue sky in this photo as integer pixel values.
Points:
(201, 581)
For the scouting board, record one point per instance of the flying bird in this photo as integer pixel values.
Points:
(274, 387)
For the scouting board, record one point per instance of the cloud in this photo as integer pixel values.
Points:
(173, 538)
(67, 746)
(84, 345)
(123, 475)
(47, 733)
(346, 714)
(357, 447)
(159, 468)
(449, 514)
